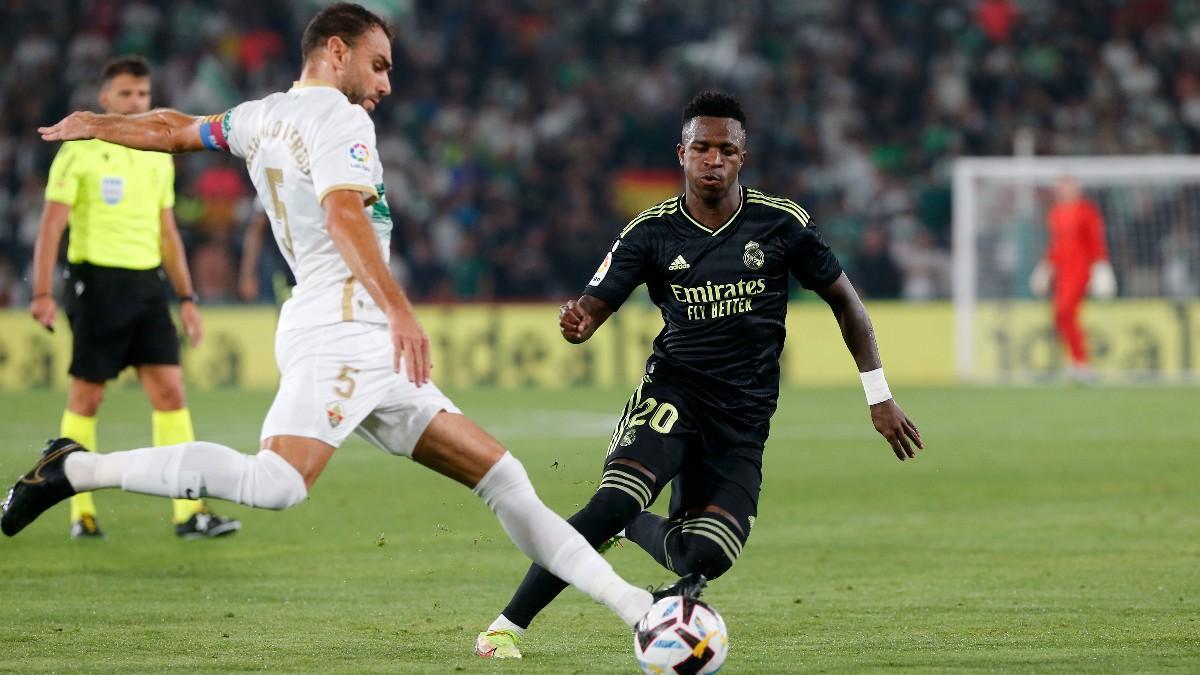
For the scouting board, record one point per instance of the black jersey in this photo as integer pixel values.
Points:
(723, 293)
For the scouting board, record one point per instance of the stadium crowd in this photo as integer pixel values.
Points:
(510, 122)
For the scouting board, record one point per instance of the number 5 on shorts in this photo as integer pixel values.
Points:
(346, 389)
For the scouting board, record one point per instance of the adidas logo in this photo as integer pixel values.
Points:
(678, 264)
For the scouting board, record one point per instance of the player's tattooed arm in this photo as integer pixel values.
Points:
(579, 319)
(852, 318)
(161, 130)
(889, 420)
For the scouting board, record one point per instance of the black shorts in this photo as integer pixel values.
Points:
(118, 318)
(708, 457)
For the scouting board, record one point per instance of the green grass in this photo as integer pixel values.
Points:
(1043, 530)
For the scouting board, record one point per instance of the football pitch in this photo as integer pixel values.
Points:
(1043, 530)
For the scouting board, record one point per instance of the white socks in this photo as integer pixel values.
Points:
(552, 543)
(191, 470)
(502, 623)
(199, 469)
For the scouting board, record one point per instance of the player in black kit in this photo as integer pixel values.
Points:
(717, 262)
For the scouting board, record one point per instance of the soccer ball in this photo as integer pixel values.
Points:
(680, 635)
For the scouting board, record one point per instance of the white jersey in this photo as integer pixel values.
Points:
(299, 146)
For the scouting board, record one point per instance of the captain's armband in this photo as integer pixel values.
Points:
(214, 132)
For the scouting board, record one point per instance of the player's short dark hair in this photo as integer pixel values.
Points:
(714, 104)
(136, 66)
(346, 20)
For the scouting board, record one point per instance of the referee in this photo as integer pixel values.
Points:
(123, 238)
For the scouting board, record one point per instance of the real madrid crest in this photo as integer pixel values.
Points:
(629, 436)
(753, 257)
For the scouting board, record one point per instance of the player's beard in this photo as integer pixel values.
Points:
(356, 94)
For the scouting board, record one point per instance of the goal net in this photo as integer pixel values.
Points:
(1151, 209)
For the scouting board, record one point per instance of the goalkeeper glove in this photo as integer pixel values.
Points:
(1103, 283)
(1039, 281)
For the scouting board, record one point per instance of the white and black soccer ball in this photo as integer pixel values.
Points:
(680, 635)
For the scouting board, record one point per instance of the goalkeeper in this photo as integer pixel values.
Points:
(1076, 262)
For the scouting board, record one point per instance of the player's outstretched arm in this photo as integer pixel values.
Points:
(890, 421)
(162, 130)
(355, 239)
(579, 319)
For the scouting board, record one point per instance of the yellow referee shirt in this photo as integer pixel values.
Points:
(116, 197)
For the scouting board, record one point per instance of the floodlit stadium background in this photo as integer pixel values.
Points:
(1049, 528)
(521, 136)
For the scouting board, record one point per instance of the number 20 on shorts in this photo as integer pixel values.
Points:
(662, 416)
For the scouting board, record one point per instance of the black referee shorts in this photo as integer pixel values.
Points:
(118, 318)
(708, 457)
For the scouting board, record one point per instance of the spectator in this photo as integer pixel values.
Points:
(470, 271)
(511, 118)
(924, 267)
(10, 288)
(875, 271)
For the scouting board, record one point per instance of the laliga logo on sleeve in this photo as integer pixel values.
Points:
(360, 157)
(602, 270)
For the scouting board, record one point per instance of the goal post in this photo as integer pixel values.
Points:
(1151, 208)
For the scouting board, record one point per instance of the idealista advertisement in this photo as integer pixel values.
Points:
(1153, 340)
(518, 345)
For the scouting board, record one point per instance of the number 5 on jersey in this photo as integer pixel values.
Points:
(275, 179)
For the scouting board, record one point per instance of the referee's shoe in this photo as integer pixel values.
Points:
(206, 524)
(86, 528)
(44, 486)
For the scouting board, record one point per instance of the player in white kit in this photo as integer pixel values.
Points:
(344, 336)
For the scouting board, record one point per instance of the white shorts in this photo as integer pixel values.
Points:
(338, 378)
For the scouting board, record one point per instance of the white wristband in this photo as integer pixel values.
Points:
(875, 386)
